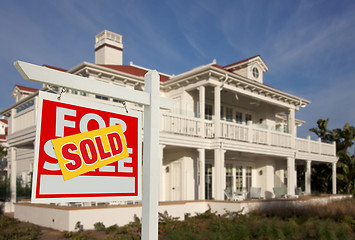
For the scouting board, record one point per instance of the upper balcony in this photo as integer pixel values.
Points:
(249, 133)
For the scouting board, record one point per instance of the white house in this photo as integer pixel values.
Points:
(227, 130)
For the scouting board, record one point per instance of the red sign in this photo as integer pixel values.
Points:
(119, 180)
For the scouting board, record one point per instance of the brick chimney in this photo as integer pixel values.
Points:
(108, 48)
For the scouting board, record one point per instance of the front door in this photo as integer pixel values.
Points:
(176, 182)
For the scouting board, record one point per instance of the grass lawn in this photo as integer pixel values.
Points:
(335, 220)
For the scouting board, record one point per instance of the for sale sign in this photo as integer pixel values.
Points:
(85, 151)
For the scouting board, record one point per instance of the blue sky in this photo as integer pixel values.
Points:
(309, 46)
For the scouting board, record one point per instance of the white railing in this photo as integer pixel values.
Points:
(316, 147)
(260, 136)
(209, 129)
(328, 149)
(280, 139)
(234, 131)
(302, 145)
(181, 125)
(190, 126)
(24, 119)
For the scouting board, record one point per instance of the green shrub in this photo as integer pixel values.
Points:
(99, 226)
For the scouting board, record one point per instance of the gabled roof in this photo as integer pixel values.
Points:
(232, 66)
(25, 89)
(3, 120)
(133, 70)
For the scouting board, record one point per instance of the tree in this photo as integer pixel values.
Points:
(344, 139)
(347, 174)
(321, 130)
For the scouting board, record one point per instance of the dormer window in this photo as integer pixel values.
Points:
(255, 72)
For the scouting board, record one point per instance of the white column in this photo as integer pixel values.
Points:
(334, 178)
(291, 176)
(202, 109)
(220, 179)
(13, 176)
(11, 127)
(217, 111)
(308, 178)
(291, 123)
(162, 181)
(201, 156)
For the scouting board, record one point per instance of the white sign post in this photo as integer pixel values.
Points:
(152, 102)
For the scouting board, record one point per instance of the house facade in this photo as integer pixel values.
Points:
(228, 130)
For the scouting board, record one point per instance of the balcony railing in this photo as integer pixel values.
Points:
(316, 147)
(24, 119)
(240, 132)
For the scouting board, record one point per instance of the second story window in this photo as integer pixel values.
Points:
(238, 117)
(101, 97)
(247, 117)
(208, 112)
(25, 106)
(229, 114)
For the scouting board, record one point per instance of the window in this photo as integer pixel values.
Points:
(255, 72)
(83, 93)
(243, 178)
(74, 91)
(239, 179)
(208, 112)
(248, 178)
(101, 97)
(25, 105)
(208, 181)
(229, 114)
(229, 178)
(222, 113)
(238, 117)
(248, 117)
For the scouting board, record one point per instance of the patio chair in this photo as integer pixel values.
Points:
(280, 192)
(255, 193)
(230, 196)
(299, 191)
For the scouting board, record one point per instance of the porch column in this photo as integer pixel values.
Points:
(291, 121)
(201, 156)
(308, 178)
(162, 174)
(13, 176)
(201, 90)
(334, 178)
(217, 111)
(291, 124)
(291, 176)
(220, 179)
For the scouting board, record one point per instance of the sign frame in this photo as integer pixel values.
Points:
(84, 103)
(152, 102)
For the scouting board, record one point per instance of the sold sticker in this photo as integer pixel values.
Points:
(87, 151)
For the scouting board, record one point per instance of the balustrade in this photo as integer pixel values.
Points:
(239, 132)
(24, 119)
